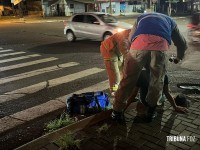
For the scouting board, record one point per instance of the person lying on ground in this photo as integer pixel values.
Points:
(142, 88)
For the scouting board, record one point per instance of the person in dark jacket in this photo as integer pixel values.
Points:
(150, 38)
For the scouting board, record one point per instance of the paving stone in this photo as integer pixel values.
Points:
(196, 104)
(180, 145)
(189, 124)
(190, 144)
(171, 147)
(184, 119)
(176, 122)
(153, 146)
(145, 131)
(154, 128)
(90, 145)
(194, 109)
(140, 142)
(145, 148)
(196, 112)
(161, 135)
(124, 144)
(174, 132)
(163, 142)
(167, 112)
(169, 125)
(43, 148)
(195, 147)
(135, 136)
(52, 147)
(196, 135)
(185, 133)
(151, 138)
(193, 130)
(196, 122)
(180, 127)
(166, 129)
(192, 116)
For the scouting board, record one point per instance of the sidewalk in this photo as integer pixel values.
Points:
(40, 19)
(169, 131)
(31, 19)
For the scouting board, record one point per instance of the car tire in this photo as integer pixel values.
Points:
(70, 36)
(106, 35)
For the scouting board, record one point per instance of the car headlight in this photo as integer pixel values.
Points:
(120, 29)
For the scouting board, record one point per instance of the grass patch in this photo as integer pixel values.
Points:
(68, 142)
(53, 125)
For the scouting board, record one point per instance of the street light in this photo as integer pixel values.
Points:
(154, 5)
(110, 6)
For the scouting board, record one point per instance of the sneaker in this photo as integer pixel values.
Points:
(118, 117)
(151, 114)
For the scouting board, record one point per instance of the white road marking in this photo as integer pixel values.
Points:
(19, 58)
(27, 64)
(74, 76)
(7, 50)
(10, 54)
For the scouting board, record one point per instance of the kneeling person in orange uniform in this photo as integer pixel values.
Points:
(113, 51)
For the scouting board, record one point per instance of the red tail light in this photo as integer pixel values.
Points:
(190, 25)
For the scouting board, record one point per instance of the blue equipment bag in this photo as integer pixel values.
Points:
(87, 103)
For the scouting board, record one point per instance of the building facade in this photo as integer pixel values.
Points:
(69, 7)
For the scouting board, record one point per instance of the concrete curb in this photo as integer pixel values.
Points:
(9, 123)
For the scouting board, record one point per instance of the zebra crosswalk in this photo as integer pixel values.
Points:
(11, 61)
(35, 72)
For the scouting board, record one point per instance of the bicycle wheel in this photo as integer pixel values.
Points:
(189, 86)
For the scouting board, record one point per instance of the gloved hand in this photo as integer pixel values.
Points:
(114, 88)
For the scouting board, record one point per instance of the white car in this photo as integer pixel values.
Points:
(93, 25)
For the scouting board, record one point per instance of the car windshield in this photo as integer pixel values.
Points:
(107, 18)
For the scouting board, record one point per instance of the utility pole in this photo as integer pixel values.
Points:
(110, 6)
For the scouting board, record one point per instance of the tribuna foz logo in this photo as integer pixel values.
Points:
(181, 139)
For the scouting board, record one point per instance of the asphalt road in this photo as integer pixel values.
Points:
(44, 73)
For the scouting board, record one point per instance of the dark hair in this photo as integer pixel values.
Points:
(181, 100)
